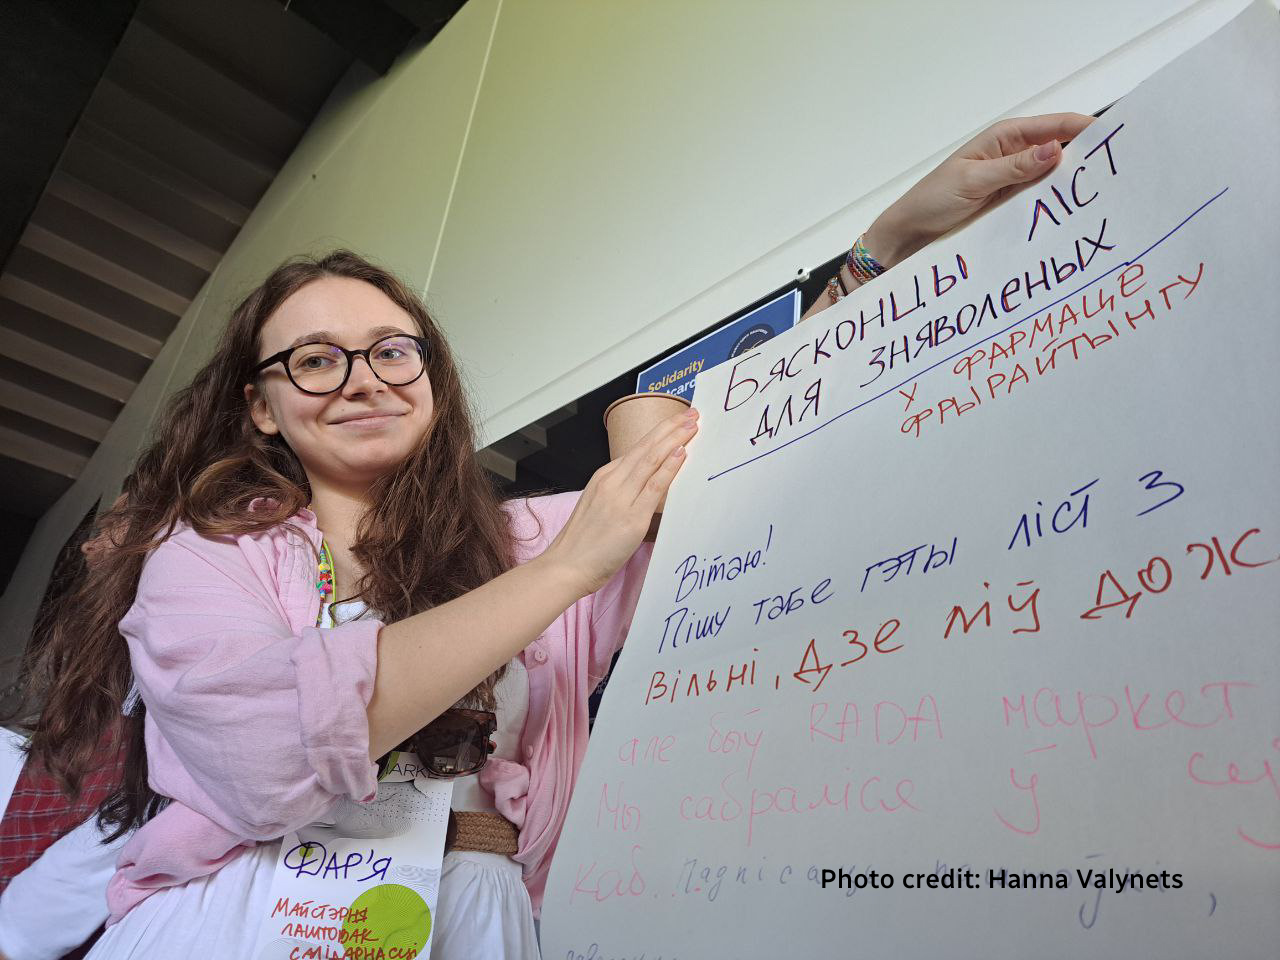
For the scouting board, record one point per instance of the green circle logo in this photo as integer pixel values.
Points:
(390, 916)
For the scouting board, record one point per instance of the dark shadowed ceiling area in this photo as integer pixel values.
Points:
(138, 137)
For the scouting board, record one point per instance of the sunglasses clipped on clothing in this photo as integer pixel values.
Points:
(455, 744)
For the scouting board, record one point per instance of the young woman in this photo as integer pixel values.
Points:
(325, 453)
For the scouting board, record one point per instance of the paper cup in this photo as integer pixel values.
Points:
(629, 418)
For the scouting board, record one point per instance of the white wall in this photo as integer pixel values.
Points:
(579, 184)
(634, 172)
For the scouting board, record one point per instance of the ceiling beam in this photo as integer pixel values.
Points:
(39, 406)
(38, 453)
(74, 315)
(100, 268)
(133, 221)
(60, 364)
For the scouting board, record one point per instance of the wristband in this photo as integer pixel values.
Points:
(861, 263)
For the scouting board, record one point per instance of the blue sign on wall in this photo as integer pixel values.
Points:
(675, 374)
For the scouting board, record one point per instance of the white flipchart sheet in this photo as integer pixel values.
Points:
(976, 571)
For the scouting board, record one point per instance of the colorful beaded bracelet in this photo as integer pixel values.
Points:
(861, 263)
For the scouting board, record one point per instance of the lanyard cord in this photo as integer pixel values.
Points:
(326, 582)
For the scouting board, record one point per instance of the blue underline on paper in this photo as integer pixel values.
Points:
(970, 346)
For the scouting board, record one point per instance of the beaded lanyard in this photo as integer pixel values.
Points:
(324, 572)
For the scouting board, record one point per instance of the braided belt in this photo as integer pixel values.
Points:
(481, 832)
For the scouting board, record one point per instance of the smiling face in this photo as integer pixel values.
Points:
(362, 431)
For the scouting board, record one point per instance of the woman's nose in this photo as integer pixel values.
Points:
(362, 379)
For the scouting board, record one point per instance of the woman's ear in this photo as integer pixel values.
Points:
(260, 410)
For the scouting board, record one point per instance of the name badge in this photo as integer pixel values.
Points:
(365, 886)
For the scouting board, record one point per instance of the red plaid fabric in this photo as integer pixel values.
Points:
(39, 813)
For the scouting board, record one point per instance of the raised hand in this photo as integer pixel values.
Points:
(987, 168)
(618, 504)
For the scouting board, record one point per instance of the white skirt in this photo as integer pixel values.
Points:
(483, 913)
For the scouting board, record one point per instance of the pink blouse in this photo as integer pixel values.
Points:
(256, 718)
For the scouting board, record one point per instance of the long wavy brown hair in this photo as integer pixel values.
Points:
(433, 531)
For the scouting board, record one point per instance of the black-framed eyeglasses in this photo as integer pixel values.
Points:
(319, 368)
